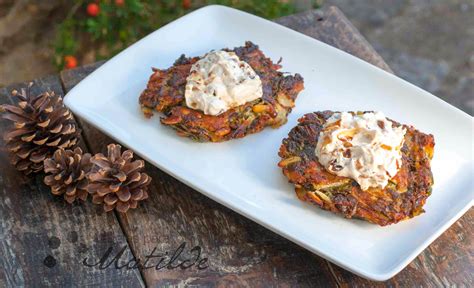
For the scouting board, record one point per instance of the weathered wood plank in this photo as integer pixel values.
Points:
(448, 262)
(43, 239)
(332, 27)
(243, 253)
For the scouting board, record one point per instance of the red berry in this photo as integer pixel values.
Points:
(70, 62)
(119, 2)
(186, 4)
(93, 9)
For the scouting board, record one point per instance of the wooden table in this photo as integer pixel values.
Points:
(44, 240)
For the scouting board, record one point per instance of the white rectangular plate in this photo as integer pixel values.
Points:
(243, 174)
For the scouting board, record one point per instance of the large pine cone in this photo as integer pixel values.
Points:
(42, 124)
(68, 171)
(116, 181)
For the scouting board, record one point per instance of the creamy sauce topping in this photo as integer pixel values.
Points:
(364, 147)
(221, 81)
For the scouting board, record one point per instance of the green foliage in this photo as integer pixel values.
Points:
(65, 43)
(267, 8)
(117, 25)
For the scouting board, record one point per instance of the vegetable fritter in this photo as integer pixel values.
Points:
(402, 198)
(165, 93)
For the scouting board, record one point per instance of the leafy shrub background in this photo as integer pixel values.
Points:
(95, 30)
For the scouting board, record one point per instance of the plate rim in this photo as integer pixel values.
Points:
(382, 276)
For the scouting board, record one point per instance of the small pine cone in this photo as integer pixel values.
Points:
(42, 124)
(116, 181)
(67, 171)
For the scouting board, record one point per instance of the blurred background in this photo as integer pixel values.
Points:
(427, 42)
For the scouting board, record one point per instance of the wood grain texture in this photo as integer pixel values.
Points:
(447, 262)
(242, 253)
(43, 240)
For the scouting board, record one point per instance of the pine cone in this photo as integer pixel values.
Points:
(41, 125)
(68, 171)
(116, 181)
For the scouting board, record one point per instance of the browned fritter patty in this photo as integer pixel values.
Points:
(165, 93)
(401, 199)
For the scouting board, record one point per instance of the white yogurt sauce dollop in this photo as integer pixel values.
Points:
(364, 147)
(221, 81)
